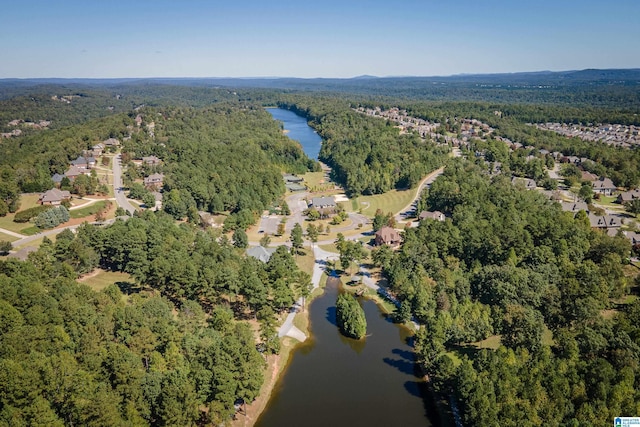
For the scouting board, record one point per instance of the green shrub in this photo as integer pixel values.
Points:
(27, 214)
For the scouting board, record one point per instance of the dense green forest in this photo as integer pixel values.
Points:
(510, 262)
(222, 158)
(174, 349)
(368, 155)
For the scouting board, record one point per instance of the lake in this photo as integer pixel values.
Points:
(298, 130)
(332, 380)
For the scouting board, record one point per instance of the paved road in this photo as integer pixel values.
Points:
(287, 328)
(408, 210)
(121, 199)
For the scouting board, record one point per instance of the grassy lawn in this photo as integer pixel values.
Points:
(391, 201)
(330, 247)
(101, 279)
(89, 210)
(316, 181)
(7, 238)
(307, 261)
(26, 201)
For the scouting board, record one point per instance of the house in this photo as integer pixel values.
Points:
(111, 142)
(288, 178)
(571, 159)
(604, 186)
(323, 202)
(387, 236)
(528, 183)
(96, 150)
(84, 162)
(54, 197)
(75, 171)
(588, 176)
(605, 221)
(260, 253)
(574, 207)
(436, 216)
(151, 161)
(633, 237)
(628, 196)
(295, 187)
(154, 180)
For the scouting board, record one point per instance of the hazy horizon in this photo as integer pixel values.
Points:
(252, 39)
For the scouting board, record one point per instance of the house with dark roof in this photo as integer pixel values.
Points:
(387, 236)
(54, 197)
(84, 162)
(261, 253)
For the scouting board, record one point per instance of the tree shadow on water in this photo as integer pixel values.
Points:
(331, 315)
(405, 354)
(404, 366)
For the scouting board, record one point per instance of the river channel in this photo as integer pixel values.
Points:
(298, 129)
(336, 381)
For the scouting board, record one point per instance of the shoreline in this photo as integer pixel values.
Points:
(276, 367)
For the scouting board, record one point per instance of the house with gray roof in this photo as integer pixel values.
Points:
(84, 162)
(574, 207)
(261, 253)
(605, 221)
(435, 216)
(604, 186)
(57, 178)
(627, 196)
(328, 202)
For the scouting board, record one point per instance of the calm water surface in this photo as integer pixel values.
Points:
(299, 130)
(336, 381)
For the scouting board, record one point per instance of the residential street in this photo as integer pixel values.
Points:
(121, 199)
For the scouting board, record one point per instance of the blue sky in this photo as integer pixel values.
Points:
(200, 38)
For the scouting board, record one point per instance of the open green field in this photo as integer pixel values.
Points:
(100, 279)
(316, 181)
(89, 210)
(391, 201)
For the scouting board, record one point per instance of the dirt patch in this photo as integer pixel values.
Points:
(252, 411)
